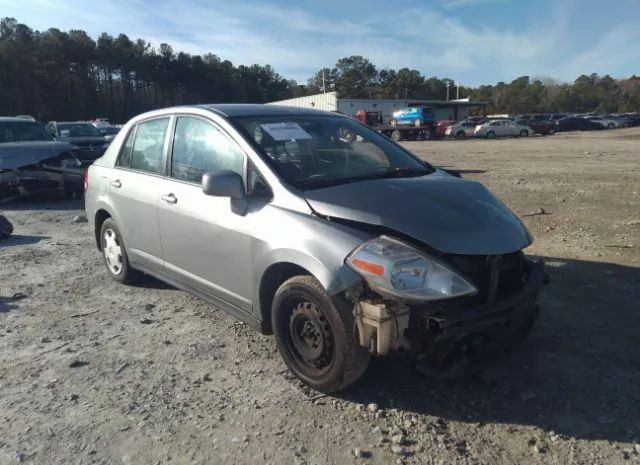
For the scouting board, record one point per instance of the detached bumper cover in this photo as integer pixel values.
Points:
(451, 341)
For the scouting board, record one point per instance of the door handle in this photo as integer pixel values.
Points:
(169, 198)
(116, 183)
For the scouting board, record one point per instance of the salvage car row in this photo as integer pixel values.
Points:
(38, 159)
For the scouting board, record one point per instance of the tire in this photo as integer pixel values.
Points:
(417, 123)
(393, 122)
(551, 132)
(524, 133)
(115, 254)
(460, 135)
(491, 135)
(315, 338)
(611, 126)
(396, 135)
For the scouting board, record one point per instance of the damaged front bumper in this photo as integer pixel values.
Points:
(450, 338)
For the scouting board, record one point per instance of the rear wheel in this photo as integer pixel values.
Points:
(396, 135)
(524, 133)
(115, 254)
(611, 126)
(551, 131)
(393, 122)
(315, 338)
(417, 123)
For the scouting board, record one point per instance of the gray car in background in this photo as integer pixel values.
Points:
(313, 227)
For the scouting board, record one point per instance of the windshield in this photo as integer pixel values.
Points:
(109, 131)
(317, 151)
(77, 130)
(22, 131)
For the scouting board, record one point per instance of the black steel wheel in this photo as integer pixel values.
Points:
(315, 338)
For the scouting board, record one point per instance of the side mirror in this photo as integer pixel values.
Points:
(223, 184)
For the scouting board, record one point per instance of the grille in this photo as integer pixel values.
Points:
(495, 276)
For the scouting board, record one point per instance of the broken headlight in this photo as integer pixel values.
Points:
(396, 269)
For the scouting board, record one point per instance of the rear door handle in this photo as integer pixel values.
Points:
(116, 183)
(169, 198)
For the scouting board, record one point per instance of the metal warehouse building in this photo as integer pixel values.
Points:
(443, 109)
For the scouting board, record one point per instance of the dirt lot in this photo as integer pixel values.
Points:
(95, 372)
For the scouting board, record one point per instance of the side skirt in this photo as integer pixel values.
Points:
(238, 313)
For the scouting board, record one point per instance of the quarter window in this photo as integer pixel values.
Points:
(148, 147)
(124, 159)
(199, 147)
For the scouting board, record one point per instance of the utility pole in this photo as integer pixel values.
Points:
(457, 90)
(324, 89)
(448, 84)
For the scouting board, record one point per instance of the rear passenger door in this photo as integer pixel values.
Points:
(133, 189)
(205, 244)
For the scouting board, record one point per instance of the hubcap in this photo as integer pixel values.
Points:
(112, 251)
(311, 337)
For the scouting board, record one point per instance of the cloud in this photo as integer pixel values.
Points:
(299, 38)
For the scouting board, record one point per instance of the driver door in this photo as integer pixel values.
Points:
(204, 243)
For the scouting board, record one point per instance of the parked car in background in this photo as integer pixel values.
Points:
(342, 248)
(85, 136)
(575, 123)
(109, 132)
(604, 122)
(415, 116)
(623, 121)
(502, 128)
(461, 129)
(545, 127)
(442, 125)
(31, 162)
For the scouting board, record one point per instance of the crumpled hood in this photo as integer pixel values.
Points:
(14, 155)
(452, 215)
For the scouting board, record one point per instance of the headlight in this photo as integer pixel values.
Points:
(396, 269)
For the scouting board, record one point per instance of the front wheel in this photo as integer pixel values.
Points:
(460, 135)
(551, 132)
(316, 339)
(491, 135)
(396, 135)
(115, 254)
(524, 133)
(393, 122)
(417, 123)
(611, 126)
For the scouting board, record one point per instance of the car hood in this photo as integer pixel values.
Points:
(449, 214)
(15, 155)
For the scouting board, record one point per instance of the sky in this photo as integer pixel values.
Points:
(471, 41)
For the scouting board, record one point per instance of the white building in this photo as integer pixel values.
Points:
(452, 109)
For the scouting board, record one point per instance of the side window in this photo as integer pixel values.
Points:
(124, 159)
(148, 146)
(199, 147)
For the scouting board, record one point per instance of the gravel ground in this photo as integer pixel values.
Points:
(96, 372)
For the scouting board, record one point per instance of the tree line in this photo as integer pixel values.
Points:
(68, 75)
(357, 77)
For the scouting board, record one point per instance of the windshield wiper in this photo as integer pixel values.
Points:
(399, 172)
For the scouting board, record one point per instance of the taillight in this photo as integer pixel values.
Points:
(85, 180)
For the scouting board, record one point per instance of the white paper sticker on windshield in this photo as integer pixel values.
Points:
(285, 131)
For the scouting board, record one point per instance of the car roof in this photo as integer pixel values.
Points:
(70, 122)
(15, 119)
(250, 109)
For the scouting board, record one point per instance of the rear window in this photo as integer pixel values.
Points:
(22, 131)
